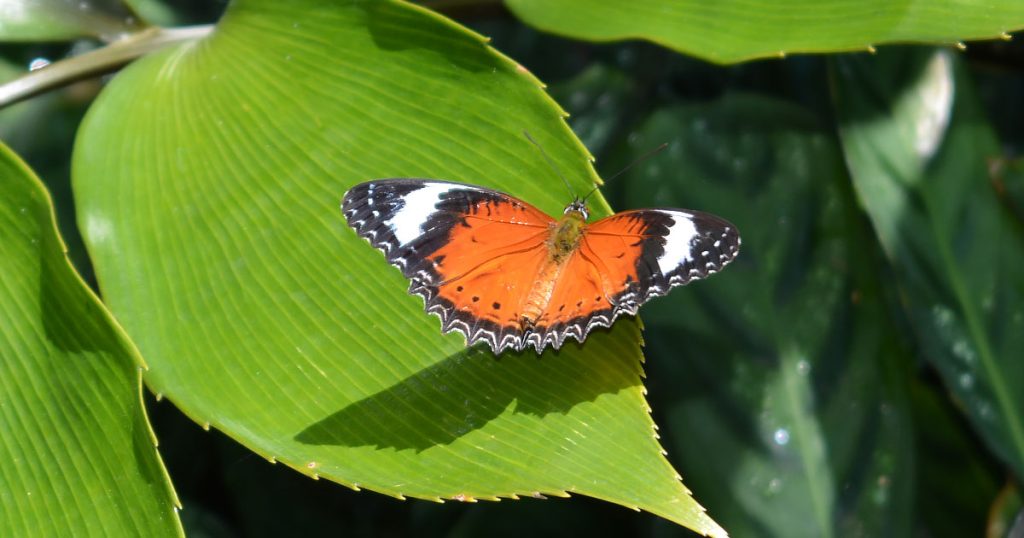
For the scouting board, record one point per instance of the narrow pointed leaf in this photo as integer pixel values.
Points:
(208, 179)
(919, 149)
(78, 455)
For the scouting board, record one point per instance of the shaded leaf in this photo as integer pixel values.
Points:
(728, 31)
(919, 148)
(78, 454)
(208, 179)
(955, 501)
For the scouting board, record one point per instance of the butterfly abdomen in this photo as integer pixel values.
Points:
(561, 244)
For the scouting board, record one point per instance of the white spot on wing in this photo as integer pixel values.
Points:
(419, 205)
(677, 244)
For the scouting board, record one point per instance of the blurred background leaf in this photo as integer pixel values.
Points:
(919, 149)
(79, 456)
(786, 372)
(729, 31)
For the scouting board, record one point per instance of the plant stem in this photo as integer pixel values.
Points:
(99, 61)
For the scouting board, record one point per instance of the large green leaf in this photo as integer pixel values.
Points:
(208, 178)
(726, 31)
(919, 149)
(53, 20)
(789, 371)
(79, 457)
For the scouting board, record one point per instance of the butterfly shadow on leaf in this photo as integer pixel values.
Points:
(467, 390)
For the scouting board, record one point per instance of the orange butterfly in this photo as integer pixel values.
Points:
(501, 271)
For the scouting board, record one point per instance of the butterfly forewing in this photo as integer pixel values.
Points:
(670, 247)
(469, 252)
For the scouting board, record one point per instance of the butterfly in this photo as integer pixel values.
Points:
(503, 272)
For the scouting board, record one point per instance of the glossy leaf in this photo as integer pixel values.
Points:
(79, 457)
(208, 179)
(786, 373)
(919, 150)
(728, 31)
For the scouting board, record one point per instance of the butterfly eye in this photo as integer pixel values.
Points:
(577, 206)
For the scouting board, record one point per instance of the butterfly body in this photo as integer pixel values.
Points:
(503, 272)
(562, 242)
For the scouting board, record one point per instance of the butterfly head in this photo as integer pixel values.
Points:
(578, 206)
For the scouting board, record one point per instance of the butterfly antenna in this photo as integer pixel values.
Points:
(638, 160)
(550, 162)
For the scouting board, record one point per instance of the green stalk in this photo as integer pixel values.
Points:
(97, 62)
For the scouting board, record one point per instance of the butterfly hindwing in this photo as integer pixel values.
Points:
(487, 302)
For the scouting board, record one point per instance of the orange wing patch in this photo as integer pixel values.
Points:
(486, 270)
(487, 302)
(589, 286)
